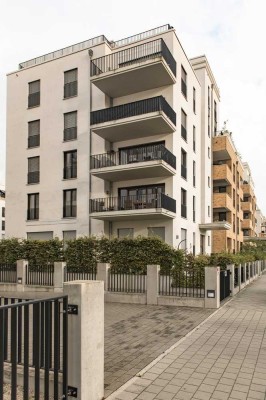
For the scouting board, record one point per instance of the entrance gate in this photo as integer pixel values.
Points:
(224, 284)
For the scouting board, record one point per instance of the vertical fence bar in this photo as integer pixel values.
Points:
(26, 354)
(65, 349)
(56, 347)
(47, 350)
(36, 345)
(14, 353)
(2, 346)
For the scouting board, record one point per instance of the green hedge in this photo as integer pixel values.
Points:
(124, 255)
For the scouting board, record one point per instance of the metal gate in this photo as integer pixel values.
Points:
(224, 284)
(33, 335)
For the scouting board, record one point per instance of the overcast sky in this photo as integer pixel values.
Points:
(230, 32)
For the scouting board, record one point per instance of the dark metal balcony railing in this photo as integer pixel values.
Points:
(70, 171)
(133, 155)
(133, 109)
(184, 171)
(34, 177)
(183, 211)
(70, 133)
(33, 141)
(138, 202)
(134, 55)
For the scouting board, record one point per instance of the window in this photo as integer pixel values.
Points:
(71, 83)
(209, 240)
(157, 231)
(33, 206)
(45, 235)
(202, 244)
(183, 82)
(222, 216)
(183, 125)
(70, 164)
(237, 182)
(209, 112)
(215, 116)
(234, 172)
(237, 226)
(222, 189)
(70, 203)
(194, 100)
(194, 173)
(34, 133)
(234, 198)
(34, 170)
(69, 235)
(183, 242)
(246, 215)
(70, 126)
(3, 225)
(194, 139)
(209, 211)
(125, 233)
(209, 181)
(234, 223)
(194, 209)
(183, 164)
(209, 153)
(34, 94)
(246, 232)
(194, 243)
(3, 212)
(183, 203)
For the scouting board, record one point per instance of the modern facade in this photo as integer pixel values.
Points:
(113, 138)
(227, 175)
(249, 204)
(2, 212)
(260, 223)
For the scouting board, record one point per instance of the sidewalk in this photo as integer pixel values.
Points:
(225, 358)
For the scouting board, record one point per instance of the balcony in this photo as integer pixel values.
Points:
(143, 118)
(149, 206)
(247, 224)
(134, 69)
(215, 226)
(134, 163)
(246, 206)
(221, 174)
(222, 202)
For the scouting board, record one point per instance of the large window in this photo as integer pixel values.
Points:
(125, 233)
(141, 196)
(183, 125)
(33, 206)
(183, 82)
(183, 203)
(158, 231)
(34, 170)
(183, 164)
(194, 173)
(194, 208)
(3, 212)
(215, 116)
(183, 242)
(34, 133)
(209, 112)
(70, 126)
(194, 100)
(71, 83)
(70, 164)
(194, 139)
(70, 203)
(34, 94)
(3, 225)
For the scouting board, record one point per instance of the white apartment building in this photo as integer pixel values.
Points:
(112, 138)
(2, 211)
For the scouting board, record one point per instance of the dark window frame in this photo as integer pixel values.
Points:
(71, 87)
(70, 168)
(33, 213)
(34, 98)
(70, 211)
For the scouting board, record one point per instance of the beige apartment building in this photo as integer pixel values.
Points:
(113, 138)
(228, 173)
(249, 205)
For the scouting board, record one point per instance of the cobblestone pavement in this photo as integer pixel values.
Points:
(224, 359)
(136, 334)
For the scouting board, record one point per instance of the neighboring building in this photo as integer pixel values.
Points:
(2, 212)
(248, 204)
(140, 164)
(260, 223)
(227, 193)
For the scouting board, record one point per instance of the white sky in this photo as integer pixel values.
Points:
(232, 34)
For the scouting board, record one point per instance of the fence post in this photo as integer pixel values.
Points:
(240, 275)
(21, 275)
(231, 268)
(212, 287)
(152, 284)
(59, 275)
(102, 273)
(245, 273)
(86, 338)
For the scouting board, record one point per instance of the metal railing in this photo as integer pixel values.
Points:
(34, 177)
(127, 282)
(40, 275)
(70, 172)
(137, 202)
(135, 108)
(8, 273)
(133, 55)
(236, 277)
(182, 282)
(80, 273)
(141, 36)
(70, 133)
(34, 334)
(133, 155)
(33, 141)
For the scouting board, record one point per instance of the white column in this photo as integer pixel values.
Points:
(59, 274)
(86, 339)
(102, 273)
(212, 287)
(152, 284)
(21, 274)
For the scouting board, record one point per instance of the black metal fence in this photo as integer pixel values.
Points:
(133, 155)
(80, 273)
(137, 202)
(242, 274)
(34, 334)
(182, 282)
(135, 108)
(236, 276)
(134, 55)
(127, 282)
(224, 284)
(40, 275)
(8, 273)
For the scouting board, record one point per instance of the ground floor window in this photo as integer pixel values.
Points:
(157, 231)
(125, 233)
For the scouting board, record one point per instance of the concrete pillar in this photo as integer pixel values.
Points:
(59, 275)
(21, 274)
(231, 268)
(245, 273)
(212, 287)
(102, 273)
(152, 284)
(86, 339)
